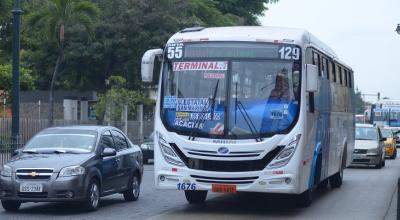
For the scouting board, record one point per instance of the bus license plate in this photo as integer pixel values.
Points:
(223, 188)
(31, 187)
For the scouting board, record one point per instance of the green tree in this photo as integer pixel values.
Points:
(54, 17)
(5, 31)
(359, 102)
(27, 78)
(247, 11)
(114, 99)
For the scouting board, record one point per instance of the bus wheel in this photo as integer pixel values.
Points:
(196, 197)
(305, 199)
(337, 178)
(323, 184)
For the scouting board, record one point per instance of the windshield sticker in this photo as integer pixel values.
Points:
(277, 114)
(182, 114)
(194, 66)
(192, 104)
(218, 129)
(214, 76)
(206, 116)
(169, 102)
(187, 124)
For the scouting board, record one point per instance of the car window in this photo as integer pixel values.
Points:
(107, 140)
(120, 141)
(367, 133)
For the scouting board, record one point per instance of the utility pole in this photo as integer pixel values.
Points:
(15, 69)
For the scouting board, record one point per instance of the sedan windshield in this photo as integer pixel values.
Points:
(60, 143)
(366, 133)
(228, 97)
(386, 133)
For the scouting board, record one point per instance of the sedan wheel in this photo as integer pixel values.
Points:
(92, 200)
(132, 194)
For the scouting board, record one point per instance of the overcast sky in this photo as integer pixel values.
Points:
(361, 32)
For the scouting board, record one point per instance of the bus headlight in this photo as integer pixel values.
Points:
(168, 153)
(286, 154)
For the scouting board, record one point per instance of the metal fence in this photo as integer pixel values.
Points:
(30, 127)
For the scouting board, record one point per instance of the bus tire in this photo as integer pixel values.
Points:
(323, 184)
(196, 197)
(336, 179)
(305, 199)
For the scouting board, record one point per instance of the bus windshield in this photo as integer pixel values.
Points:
(230, 97)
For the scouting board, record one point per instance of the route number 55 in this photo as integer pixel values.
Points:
(174, 52)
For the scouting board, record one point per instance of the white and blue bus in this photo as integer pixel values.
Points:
(250, 109)
(386, 112)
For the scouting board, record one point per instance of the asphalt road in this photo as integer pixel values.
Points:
(366, 193)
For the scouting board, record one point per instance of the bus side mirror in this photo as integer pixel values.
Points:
(312, 77)
(148, 64)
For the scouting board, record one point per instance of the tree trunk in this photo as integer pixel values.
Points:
(53, 79)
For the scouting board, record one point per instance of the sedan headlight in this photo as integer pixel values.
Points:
(286, 154)
(72, 171)
(169, 154)
(6, 171)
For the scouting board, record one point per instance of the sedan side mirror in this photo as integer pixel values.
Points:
(108, 152)
(383, 139)
(16, 152)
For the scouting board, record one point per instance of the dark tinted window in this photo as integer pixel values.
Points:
(325, 67)
(333, 71)
(315, 61)
(120, 141)
(350, 84)
(107, 140)
(340, 75)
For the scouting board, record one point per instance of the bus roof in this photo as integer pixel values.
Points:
(253, 33)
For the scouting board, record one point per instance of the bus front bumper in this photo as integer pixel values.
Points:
(276, 181)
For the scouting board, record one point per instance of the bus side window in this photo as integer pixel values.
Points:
(325, 67)
(340, 75)
(332, 71)
(350, 80)
(315, 61)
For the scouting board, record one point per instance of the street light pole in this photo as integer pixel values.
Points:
(15, 69)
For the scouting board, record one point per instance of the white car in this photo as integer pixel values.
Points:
(369, 146)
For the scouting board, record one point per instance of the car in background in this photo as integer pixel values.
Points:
(369, 146)
(396, 132)
(390, 143)
(72, 164)
(147, 148)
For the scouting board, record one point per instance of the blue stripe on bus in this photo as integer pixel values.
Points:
(313, 165)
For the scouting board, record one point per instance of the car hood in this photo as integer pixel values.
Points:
(53, 161)
(389, 141)
(365, 144)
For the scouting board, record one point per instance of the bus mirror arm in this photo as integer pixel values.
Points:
(312, 77)
(148, 64)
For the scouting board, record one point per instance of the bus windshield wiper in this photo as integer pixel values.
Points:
(203, 115)
(247, 119)
(30, 151)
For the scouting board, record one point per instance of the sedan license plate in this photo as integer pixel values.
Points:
(223, 188)
(31, 187)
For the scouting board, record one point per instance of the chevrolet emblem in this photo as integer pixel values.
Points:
(33, 174)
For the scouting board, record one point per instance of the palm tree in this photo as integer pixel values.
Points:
(55, 16)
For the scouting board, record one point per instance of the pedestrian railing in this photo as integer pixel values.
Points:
(30, 127)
